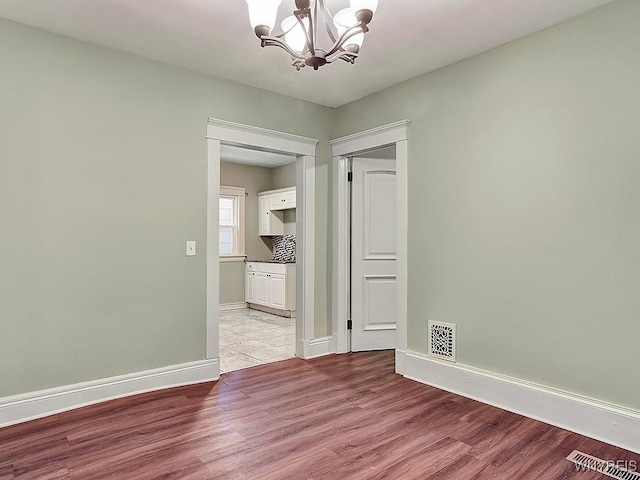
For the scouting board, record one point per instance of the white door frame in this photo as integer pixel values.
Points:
(342, 148)
(223, 132)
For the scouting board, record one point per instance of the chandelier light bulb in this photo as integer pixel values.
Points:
(262, 15)
(294, 35)
(345, 19)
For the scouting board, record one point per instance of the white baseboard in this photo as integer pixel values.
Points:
(401, 362)
(603, 421)
(318, 347)
(273, 311)
(29, 406)
(233, 306)
(335, 343)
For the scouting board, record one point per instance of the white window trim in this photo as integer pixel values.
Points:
(240, 247)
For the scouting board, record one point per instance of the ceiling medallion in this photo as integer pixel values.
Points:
(299, 38)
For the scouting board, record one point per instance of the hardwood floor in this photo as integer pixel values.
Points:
(335, 417)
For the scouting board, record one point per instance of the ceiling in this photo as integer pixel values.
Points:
(407, 37)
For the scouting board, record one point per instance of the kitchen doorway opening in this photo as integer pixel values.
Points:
(279, 305)
(257, 243)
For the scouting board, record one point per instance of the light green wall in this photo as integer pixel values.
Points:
(524, 200)
(102, 180)
(523, 175)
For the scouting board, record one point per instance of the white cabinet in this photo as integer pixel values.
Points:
(263, 288)
(283, 200)
(271, 285)
(278, 284)
(250, 287)
(270, 223)
(271, 205)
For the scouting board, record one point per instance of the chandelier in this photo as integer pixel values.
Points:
(301, 31)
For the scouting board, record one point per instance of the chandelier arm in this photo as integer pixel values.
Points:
(300, 15)
(350, 32)
(276, 42)
(344, 55)
(325, 14)
(312, 29)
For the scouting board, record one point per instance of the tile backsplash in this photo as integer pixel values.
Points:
(284, 248)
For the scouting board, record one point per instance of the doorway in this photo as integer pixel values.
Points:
(257, 257)
(222, 133)
(343, 150)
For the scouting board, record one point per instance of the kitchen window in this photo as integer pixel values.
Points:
(231, 219)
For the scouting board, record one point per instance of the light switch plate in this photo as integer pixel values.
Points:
(191, 248)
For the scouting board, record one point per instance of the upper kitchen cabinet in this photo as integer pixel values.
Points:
(270, 223)
(271, 205)
(283, 200)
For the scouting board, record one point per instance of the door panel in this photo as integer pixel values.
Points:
(262, 293)
(277, 291)
(379, 241)
(251, 287)
(373, 255)
(379, 295)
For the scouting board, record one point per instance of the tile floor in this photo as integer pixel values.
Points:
(251, 337)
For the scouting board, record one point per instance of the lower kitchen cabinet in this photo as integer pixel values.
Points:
(271, 285)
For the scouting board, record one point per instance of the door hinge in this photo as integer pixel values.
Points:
(349, 176)
(349, 325)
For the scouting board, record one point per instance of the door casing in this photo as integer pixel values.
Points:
(343, 148)
(223, 132)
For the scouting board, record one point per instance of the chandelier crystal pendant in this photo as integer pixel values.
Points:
(301, 31)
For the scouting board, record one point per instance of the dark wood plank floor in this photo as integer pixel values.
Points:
(336, 417)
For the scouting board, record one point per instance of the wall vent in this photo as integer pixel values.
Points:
(442, 341)
(620, 469)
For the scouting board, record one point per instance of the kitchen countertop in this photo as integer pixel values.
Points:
(270, 261)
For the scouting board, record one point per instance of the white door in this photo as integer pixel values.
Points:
(373, 254)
